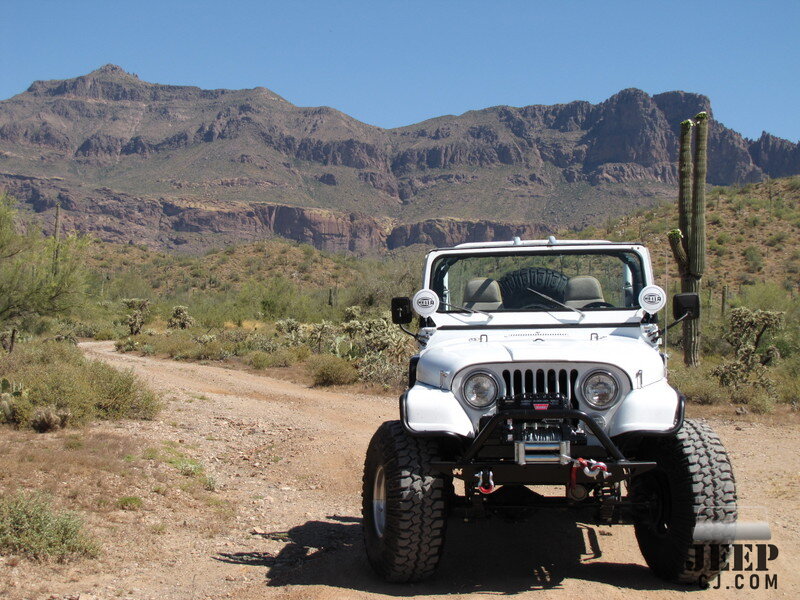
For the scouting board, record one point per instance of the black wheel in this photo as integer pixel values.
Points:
(403, 505)
(693, 483)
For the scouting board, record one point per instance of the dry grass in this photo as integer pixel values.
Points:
(104, 475)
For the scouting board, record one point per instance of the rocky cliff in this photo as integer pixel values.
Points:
(178, 166)
(191, 227)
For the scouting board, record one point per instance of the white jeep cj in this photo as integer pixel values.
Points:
(539, 364)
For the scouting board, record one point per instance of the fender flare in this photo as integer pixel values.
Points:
(415, 433)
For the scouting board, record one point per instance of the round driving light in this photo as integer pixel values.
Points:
(600, 389)
(480, 390)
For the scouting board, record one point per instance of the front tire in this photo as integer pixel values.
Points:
(693, 482)
(403, 505)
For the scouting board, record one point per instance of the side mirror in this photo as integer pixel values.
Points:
(401, 311)
(687, 305)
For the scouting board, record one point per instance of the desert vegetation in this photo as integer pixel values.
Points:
(30, 526)
(277, 306)
(45, 381)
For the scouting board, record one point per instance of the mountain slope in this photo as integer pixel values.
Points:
(752, 235)
(174, 166)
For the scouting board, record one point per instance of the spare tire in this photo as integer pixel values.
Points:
(514, 286)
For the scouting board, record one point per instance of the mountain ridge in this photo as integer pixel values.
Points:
(127, 147)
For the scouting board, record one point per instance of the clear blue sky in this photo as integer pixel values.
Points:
(393, 63)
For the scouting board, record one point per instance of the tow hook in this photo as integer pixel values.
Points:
(485, 482)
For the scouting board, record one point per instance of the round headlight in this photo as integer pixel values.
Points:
(600, 389)
(480, 390)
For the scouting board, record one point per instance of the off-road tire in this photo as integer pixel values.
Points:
(514, 286)
(693, 481)
(415, 507)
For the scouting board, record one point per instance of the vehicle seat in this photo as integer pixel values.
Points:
(582, 290)
(482, 293)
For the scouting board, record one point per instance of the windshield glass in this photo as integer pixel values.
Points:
(583, 280)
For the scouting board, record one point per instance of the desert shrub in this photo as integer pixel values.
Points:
(177, 347)
(697, 385)
(300, 353)
(30, 527)
(72, 389)
(105, 334)
(127, 344)
(776, 239)
(210, 350)
(326, 369)
(753, 259)
(757, 399)
(264, 360)
(379, 369)
(240, 342)
(787, 376)
(258, 360)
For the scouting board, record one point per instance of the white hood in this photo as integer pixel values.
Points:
(629, 354)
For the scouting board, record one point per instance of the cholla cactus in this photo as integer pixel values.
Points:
(180, 319)
(352, 313)
(747, 329)
(49, 418)
(135, 320)
(294, 333)
(10, 396)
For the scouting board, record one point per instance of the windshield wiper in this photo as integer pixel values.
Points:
(472, 311)
(556, 302)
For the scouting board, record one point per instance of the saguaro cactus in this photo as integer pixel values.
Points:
(688, 242)
(57, 238)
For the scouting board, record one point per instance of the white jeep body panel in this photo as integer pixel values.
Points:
(611, 340)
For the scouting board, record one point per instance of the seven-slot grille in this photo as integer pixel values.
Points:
(548, 384)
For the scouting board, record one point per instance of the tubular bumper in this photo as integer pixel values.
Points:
(506, 472)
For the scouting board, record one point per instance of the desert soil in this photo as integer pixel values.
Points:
(282, 519)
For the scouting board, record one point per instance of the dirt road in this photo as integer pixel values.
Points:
(287, 461)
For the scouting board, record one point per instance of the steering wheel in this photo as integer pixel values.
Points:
(598, 304)
(535, 305)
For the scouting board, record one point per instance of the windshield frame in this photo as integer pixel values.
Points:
(640, 277)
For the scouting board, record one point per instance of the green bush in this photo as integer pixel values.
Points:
(105, 334)
(30, 527)
(699, 387)
(327, 369)
(264, 360)
(753, 259)
(61, 384)
(776, 239)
